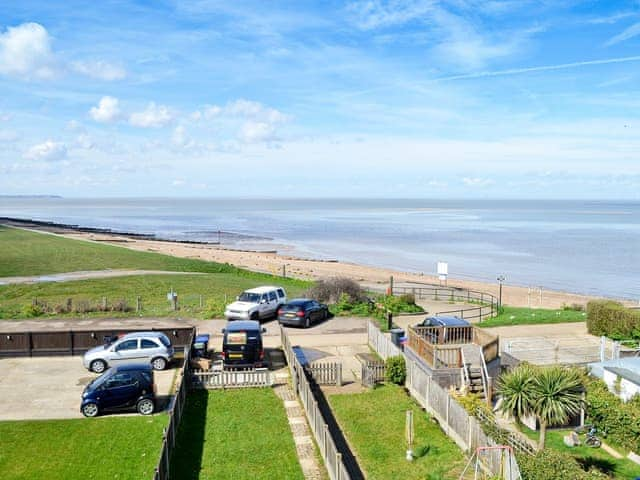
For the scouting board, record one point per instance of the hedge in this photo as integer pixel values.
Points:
(550, 464)
(620, 420)
(612, 319)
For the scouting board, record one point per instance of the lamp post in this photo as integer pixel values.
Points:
(500, 280)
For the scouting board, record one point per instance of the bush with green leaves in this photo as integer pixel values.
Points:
(553, 465)
(395, 370)
(620, 420)
(612, 319)
(334, 289)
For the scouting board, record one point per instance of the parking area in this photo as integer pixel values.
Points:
(50, 387)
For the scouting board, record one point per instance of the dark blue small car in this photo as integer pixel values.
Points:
(120, 388)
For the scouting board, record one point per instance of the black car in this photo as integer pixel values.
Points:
(120, 388)
(242, 344)
(448, 333)
(302, 312)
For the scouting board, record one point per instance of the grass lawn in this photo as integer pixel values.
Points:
(229, 434)
(597, 457)
(116, 447)
(374, 424)
(526, 316)
(15, 300)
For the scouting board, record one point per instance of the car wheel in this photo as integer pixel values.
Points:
(90, 410)
(159, 363)
(325, 315)
(98, 366)
(255, 316)
(145, 406)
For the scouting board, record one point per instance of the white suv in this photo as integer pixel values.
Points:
(256, 304)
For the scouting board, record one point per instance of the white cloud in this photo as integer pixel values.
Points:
(100, 70)
(257, 132)
(477, 182)
(180, 138)
(48, 151)
(153, 116)
(107, 110)
(8, 136)
(25, 51)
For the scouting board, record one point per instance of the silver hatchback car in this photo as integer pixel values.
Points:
(141, 347)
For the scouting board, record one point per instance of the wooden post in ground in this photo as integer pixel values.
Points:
(138, 304)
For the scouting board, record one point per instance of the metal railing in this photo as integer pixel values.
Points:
(487, 303)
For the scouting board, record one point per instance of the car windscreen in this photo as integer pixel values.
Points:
(97, 382)
(165, 341)
(249, 297)
(294, 307)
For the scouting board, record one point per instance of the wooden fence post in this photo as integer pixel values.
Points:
(339, 375)
(138, 304)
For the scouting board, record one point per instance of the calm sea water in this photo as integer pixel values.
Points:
(590, 247)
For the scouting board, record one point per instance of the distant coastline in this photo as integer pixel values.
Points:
(31, 196)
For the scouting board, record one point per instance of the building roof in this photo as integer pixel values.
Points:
(625, 373)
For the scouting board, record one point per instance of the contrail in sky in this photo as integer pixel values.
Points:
(542, 68)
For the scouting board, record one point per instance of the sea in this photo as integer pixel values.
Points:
(587, 247)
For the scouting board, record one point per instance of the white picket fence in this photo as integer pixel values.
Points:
(231, 379)
(381, 343)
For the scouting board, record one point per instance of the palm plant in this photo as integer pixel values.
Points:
(558, 397)
(551, 394)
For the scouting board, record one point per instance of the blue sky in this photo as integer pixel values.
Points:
(372, 98)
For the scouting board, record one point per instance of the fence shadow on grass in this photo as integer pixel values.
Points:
(342, 446)
(186, 459)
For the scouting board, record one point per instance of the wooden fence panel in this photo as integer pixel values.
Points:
(325, 373)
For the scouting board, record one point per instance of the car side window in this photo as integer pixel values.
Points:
(272, 296)
(280, 293)
(146, 343)
(264, 298)
(121, 380)
(127, 345)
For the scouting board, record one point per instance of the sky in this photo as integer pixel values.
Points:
(362, 98)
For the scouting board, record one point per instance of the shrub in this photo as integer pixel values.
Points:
(215, 308)
(331, 290)
(120, 306)
(609, 413)
(552, 465)
(33, 310)
(83, 306)
(606, 317)
(395, 370)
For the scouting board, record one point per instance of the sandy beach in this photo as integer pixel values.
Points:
(270, 262)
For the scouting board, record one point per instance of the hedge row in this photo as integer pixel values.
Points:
(550, 464)
(612, 319)
(620, 420)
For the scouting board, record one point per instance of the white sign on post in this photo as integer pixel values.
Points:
(443, 271)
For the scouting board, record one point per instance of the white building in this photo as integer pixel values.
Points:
(622, 376)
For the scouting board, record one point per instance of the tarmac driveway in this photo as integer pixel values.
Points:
(51, 387)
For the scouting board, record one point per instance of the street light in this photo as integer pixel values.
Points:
(500, 280)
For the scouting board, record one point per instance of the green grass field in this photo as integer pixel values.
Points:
(25, 253)
(115, 447)
(16, 300)
(231, 434)
(531, 316)
(596, 457)
(374, 424)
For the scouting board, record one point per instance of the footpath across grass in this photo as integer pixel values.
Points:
(531, 316)
(598, 458)
(121, 447)
(374, 425)
(229, 434)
